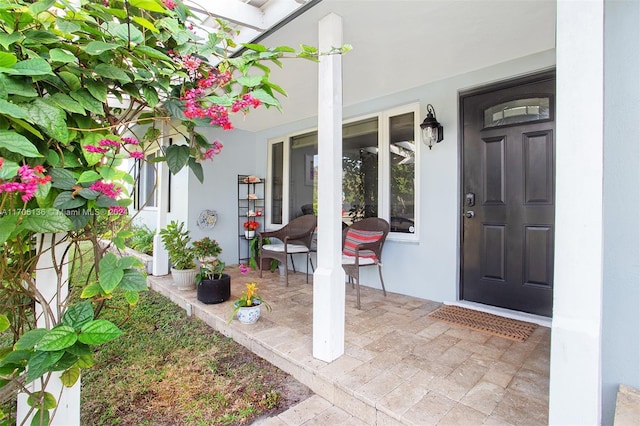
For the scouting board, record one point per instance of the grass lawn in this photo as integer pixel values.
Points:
(169, 369)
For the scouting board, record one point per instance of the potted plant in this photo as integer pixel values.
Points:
(213, 285)
(250, 227)
(176, 240)
(254, 255)
(248, 306)
(206, 250)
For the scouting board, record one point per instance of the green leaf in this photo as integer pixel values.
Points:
(9, 170)
(196, 168)
(98, 90)
(50, 118)
(17, 143)
(36, 66)
(264, 97)
(58, 338)
(88, 102)
(8, 39)
(66, 201)
(151, 53)
(7, 226)
(115, 73)
(256, 47)
(132, 297)
(49, 400)
(250, 80)
(71, 80)
(126, 262)
(175, 109)
(177, 157)
(41, 6)
(17, 86)
(40, 363)
(86, 361)
(70, 376)
(150, 95)
(47, 221)
(110, 274)
(133, 280)
(40, 417)
(7, 60)
(30, 339)
(90, 290)
(145, 23)
(98, 47)
(89, 176)
(4, 322)
(62, 178)
(79, 349)
(98, 332)
(67, 103)
(78, 315)
(17, 357)
(149, 5)
(13, 110)
(127, 33)
(59, 55)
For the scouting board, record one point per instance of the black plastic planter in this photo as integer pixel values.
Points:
(214, 291)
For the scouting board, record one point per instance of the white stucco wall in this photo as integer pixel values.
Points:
(429, 268)
(621, 278)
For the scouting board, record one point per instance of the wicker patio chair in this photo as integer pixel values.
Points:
(296, 238)
(362, 244)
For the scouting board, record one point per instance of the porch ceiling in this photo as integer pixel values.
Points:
(399, 45)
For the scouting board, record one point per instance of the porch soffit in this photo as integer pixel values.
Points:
(253, 18)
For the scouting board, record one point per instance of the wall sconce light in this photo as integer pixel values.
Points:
(432, 131)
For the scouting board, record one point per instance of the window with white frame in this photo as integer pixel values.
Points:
(379, 174)
(145, 191)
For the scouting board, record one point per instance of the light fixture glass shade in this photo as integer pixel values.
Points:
(432, 131)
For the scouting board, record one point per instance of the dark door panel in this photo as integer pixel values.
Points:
(508, 196)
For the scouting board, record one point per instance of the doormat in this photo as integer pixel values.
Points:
(484, 322)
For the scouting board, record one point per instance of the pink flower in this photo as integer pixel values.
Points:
(118, 210)
(170, 4)
(29, 182)
(1, 162)
(132, 141)
(107, 189)
(108, 142)
(191, 62)
(243, 268)
(137, 155)
(95, 149)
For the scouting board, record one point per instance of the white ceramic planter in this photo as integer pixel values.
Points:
(249, 234)
(184, 279)
(248, 315)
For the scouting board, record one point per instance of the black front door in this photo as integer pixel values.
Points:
(508, 195)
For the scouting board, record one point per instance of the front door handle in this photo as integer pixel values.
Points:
(470, 214)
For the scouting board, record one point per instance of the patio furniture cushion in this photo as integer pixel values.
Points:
(351, 260)
(291, 248)
(356, 237)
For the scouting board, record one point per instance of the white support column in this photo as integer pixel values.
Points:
(55, 290)
(160, 255)
(576, 334)
(328, 279)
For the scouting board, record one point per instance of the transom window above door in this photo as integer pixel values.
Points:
(378, 171)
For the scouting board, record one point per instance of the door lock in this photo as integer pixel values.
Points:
(470, 199)
(470, 213)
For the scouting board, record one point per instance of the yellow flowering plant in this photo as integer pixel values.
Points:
(249, 297)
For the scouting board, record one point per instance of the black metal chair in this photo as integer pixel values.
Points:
(296, 238)
(362, 244)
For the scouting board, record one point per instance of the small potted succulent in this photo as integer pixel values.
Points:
(176, 240)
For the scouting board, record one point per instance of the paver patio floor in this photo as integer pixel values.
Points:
(399, 366)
